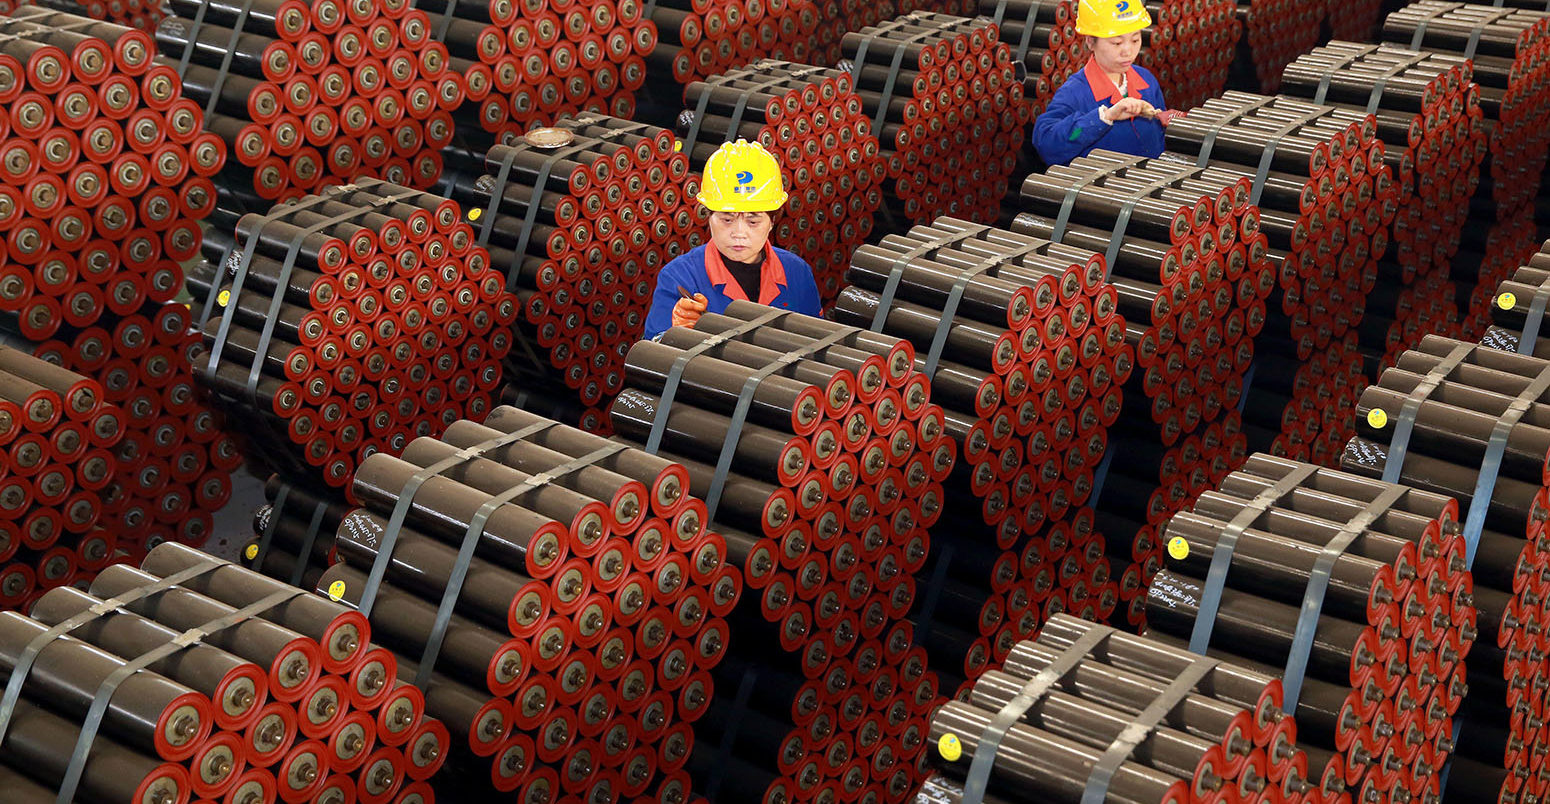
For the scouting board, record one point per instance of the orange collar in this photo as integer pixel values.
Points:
(772, 275)
(1104, 89)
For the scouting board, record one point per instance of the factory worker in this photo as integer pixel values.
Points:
(1113, 103)
(741, 188)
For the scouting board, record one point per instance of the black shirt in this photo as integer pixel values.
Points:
(746, 274)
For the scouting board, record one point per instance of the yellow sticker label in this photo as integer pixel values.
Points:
(1377, 418)
(475, 213)
(251, 552)
(1507, 301)
(949, 747)
(1178, 547)
(223, 297)
(336, 591)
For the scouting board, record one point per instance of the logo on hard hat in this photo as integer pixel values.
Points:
(1122, 10)
(744, 179)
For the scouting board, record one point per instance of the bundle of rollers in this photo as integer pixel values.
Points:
(1465, 420)
(1060, 723)
(219, 684)
(1355, 594)
(529, 63)
(307, 95)
(823, 484)
(1428, 114)
(1027, 360)
(947, 107)
(580, 217)
(1186, 251)
(559, 598)
(700, 38)
(59, 433)
(350, 322)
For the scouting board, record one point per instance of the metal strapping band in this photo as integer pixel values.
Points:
(898, 57)
(948, 315)
(1063, 218)
(1318, 584)
(1491, 464)
(99, 704)
(29, 654)
(1434, 13)
(896, 273)
(760, 74)
(675, 374)
(1329, 72)
(1404, 425)
(1036, 688)
(1375, 99)
(1536, 319)
(1102, 773)
(1122, 221)
(405, 501)
(1265, 158)
(1221, 556)
(471, 539)
(1209, 143)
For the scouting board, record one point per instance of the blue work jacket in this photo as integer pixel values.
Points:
(785, 281)
(1071, 128)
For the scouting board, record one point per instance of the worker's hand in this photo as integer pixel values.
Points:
(1128, 108)
(688, 310)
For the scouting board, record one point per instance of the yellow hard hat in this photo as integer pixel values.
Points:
(1105, 18)
(742, 177)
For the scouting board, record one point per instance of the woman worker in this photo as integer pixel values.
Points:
(741, 187)
(1112, 103)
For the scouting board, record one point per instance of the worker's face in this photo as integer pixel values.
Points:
(1115, 54)
(740, 235)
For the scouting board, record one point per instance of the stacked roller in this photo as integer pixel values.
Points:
(1487, 257)
(585, 599)
(251, 692)
(106, 172)
(1326, 198)
(294, 532)
(97, 238)
(314, 94)
(1274, 33)
(1513, 307)
(1355, 593)
(1302, 409)
(1141, 497)
(1210, 730)
(827, 491)
(1510, 51)
(1043, 37)
(580, 217)
(1464, 420)
(838, 17)
(700, 38)
(350, 322)
(139, 14)
(1186, 254)
(1188, 263)
(175, 457)
(530, 63)
(946, 106)
(1029, 371)
(1428, 114)
(811, 118)
(1190, 49)
(58, 433)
